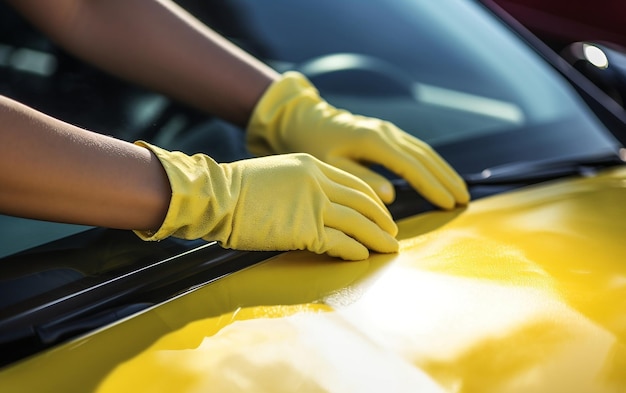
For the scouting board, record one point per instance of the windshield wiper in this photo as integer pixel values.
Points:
(531, 172)
(506, 177)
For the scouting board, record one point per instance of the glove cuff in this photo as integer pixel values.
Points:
(193, 212)
(271, 116)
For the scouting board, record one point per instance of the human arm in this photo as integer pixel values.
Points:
(159, 45)
(54, 171)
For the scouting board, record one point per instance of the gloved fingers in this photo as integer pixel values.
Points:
(415, 172)
(343, 246)
(363, 204)
(419, 164)
(360, 228)
(381, 186)
(339, 176)
(439, 167)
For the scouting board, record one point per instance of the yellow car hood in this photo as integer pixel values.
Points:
(520, 292)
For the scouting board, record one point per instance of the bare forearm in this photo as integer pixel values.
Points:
(157, 44)
(54, 171)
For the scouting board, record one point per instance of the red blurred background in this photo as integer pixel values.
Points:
(560, 22)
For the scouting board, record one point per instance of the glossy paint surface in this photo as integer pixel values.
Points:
(521, 292)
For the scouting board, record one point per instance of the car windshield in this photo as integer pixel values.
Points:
(446, 71)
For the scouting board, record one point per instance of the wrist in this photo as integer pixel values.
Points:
(275, 118)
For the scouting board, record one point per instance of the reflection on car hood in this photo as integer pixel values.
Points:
(524, 291)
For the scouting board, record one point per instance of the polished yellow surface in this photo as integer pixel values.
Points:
(521, 292)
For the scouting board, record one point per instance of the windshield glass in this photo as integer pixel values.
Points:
(446, 71)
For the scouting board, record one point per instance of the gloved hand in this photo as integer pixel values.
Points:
(291, 117)
(282, 202)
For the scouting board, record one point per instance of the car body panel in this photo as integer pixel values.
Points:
(522, 291)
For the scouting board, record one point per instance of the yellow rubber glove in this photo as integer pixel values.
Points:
(278, 203)
(291, 117)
